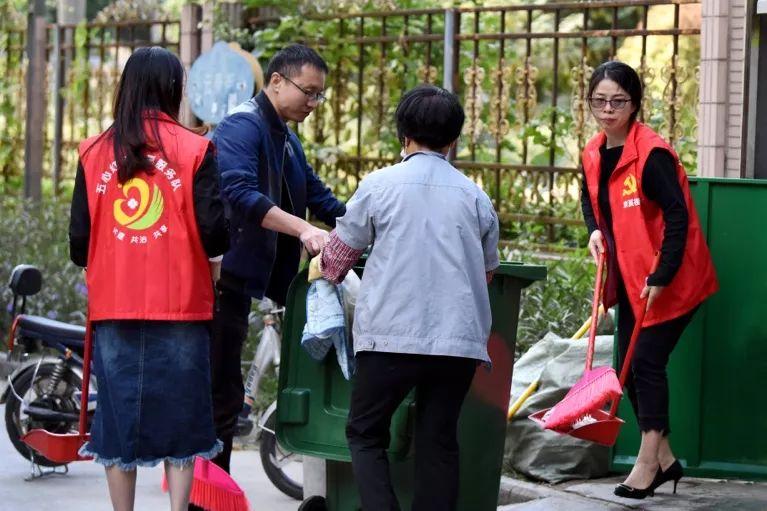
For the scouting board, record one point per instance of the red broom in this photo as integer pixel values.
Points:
(596, 387)
(213, 489)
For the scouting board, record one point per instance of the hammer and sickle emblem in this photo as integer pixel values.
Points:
(629, 186)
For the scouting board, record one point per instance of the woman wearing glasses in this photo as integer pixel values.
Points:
(636, 202)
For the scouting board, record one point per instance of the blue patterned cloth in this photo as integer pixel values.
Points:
(326, 325)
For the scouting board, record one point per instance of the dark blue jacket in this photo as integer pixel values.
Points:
(257, 155)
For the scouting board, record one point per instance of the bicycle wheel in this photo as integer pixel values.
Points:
(314, 503)
(281, 467)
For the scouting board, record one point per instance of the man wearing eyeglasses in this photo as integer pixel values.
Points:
(267, 186)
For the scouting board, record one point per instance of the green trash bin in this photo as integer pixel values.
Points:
(313, 404)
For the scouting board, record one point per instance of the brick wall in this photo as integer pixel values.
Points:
(722, 88)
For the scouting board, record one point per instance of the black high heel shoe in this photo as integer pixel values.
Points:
(627, 492)
(672, 473)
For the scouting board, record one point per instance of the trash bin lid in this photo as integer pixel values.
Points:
(528, 272)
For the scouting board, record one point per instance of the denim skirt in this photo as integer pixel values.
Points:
(154, 394)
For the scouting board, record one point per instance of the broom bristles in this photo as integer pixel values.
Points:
(213, 498)
(589, 394)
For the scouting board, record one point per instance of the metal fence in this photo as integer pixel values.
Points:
(522, 73)
(83, 67)
(12, 102)
(85, 63)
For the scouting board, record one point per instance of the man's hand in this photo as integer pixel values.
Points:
(314, 239)
(651, 293)
(596, 244)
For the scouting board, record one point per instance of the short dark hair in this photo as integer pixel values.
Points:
(289, 61)
(625, 76)
(430, 115)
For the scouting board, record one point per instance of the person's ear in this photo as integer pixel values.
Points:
(275, 81)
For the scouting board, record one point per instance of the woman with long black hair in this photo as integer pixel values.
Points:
(146, 218)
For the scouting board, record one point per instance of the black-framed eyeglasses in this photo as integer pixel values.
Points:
(615, 103)
(319, 97)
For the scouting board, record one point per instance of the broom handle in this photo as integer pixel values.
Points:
(83, 425)
(595, 311)
(634, 337)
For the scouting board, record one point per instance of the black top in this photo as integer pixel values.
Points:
(208, 211)
(659, 184)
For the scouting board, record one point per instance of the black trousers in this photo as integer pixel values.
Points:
(230, 329)
(647, 382)
(381, 382)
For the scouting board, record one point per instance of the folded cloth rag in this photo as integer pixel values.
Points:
(328, 321)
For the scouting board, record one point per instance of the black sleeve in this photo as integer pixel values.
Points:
(660, 184)
(588, 211)
(209, 208)
(79, 221)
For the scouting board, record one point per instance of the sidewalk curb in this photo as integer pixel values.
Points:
(516, 491)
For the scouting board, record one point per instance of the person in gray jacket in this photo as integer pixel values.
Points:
(422, 318)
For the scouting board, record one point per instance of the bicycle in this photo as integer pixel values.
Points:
(276, 461)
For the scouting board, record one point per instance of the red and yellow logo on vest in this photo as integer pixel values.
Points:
(629, 189)
(144, 210)
(138, 210)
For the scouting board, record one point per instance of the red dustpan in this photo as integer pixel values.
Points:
(599, 426)
(603, 430)
(595, 388)
(595, 425)
(63, 448)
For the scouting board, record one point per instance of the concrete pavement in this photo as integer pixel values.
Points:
(84, 488)
(597, 495)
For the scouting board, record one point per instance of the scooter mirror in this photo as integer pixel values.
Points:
(26, 280)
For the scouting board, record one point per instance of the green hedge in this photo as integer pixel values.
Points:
(36, 233)
(561, 303)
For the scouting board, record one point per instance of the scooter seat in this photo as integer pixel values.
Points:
(51, 331)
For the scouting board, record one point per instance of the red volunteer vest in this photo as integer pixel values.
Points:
(638, 228)
(145, 256)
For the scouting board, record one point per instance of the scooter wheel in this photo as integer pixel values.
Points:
(62, 401)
